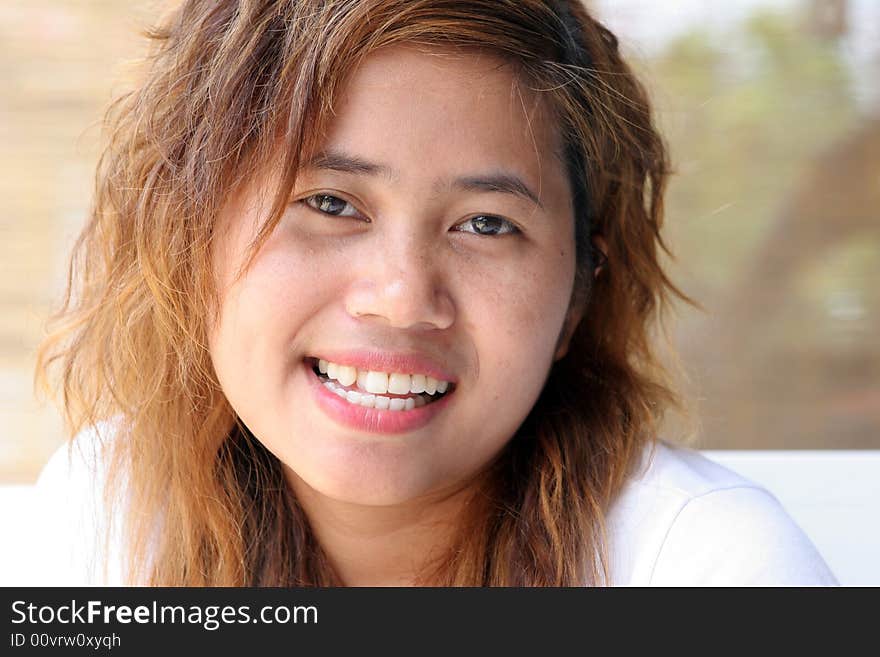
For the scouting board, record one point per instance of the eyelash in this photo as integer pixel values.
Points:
(314, 201)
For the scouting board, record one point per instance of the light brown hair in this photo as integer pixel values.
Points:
(226, 83)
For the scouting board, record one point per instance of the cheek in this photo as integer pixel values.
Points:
(532, 298)
(516, 315)
(254, 342)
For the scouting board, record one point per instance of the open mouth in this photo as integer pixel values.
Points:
(374, 389)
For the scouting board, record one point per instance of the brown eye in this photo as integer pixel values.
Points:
(487, 225)
(332, 205)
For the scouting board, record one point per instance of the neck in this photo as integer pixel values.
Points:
(389, 545)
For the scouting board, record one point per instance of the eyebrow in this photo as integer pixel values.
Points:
(506, 183)
(500, 182)
(336, 161)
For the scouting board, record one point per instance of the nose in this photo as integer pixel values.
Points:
(401, 283)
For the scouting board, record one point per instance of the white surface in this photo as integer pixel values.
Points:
(15, 516)
(833, 495)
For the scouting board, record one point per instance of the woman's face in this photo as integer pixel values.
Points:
(432, 236)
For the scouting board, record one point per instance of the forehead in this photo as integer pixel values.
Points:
(447, 109)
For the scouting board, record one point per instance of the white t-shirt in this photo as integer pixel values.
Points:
(681, 520)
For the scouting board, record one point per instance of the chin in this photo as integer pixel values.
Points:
(378, 492)
(353, 477)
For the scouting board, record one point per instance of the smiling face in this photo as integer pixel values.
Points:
(432, 235)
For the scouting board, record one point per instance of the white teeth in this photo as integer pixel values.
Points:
(376, 401)
(418, 383)
(399, 384)
(380, 383)
(347, 375)
(332, 387)
(376, 382)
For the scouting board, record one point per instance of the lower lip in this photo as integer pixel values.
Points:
(372, 420)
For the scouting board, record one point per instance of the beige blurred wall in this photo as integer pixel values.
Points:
(60, 63)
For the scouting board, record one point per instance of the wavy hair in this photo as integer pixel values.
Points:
(226, 83)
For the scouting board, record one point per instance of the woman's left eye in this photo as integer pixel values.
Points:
(487, 225)
(332, 205)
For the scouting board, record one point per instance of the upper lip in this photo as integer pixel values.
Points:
(402, 362)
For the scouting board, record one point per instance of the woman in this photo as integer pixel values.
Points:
(366, 299)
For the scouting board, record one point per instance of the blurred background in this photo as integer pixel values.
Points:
(772, 113)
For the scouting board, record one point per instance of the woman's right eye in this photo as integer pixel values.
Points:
(332, 205)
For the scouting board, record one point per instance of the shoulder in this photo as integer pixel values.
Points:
(78, 465)
(685, 520)
(70, 533)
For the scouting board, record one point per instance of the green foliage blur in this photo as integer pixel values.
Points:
(774, 215)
